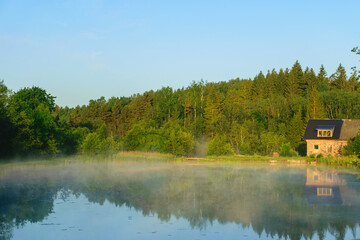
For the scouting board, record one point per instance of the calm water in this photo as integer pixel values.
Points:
(121, 200)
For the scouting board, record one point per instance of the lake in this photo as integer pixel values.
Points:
(177, 200)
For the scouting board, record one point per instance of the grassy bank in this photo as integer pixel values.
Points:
(155, 156)
(145, 156)
(251, 158)
(336, 161)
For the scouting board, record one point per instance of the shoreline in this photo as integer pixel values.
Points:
(156, 156)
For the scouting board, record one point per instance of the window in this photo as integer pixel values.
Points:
(316, 177)
(325, 133)
(325, 130)
(324, 191)
(316, 146)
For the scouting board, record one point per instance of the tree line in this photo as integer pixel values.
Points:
(262, 115)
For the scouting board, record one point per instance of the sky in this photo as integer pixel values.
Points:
(80, 50)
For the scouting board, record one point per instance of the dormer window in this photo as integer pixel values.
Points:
(325, 131)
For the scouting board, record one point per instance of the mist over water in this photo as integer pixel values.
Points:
(169, 200)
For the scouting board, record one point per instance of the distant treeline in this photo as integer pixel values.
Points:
(244, 116)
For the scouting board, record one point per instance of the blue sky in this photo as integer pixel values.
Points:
(81, 49)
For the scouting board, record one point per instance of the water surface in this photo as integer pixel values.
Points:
(159, 200)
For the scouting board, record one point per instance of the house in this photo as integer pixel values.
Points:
(329, 136)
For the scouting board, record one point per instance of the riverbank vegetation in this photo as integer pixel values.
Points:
(263, 115)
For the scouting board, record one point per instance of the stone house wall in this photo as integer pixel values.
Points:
(325, 147)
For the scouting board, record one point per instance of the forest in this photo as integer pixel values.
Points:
(262, 115)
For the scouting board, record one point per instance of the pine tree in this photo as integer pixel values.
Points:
(296, 129)
(258, 85)
(311, 79)
(315, 108)
(353, 80)
(233, 104)
(322, 75)
(340, 78)
(212, 112)
(292, 86)
(270, 83)
(297, 72)
(280, 83)
(323, 80)
(187, 109)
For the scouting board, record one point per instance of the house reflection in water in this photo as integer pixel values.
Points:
(324, 187)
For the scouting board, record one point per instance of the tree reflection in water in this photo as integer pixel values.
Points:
(281, 201)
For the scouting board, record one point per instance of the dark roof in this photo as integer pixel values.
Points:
(313, 124)
(344, 129)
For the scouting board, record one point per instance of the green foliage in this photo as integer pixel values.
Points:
(238, 135)
(99, 143)
(341, 104)
(255, 116)
(323, 87)
(315, 108)
(30, 113)
(135, 137)
(69, 140)
(91, 144)
(302, 148)
(43, 126)
(296, 129)
(79, 134)
(27, 99)
(6, 127)
(356, 145)
(270, 142)
(286, 150)
(171, 138)
(339, 78)
(178, 141)
(212, 112)
(219, 146)
(353, 146)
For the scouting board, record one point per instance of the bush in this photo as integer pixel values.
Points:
(178, 141)
(356, 145)
(134, 137)
(219, 146)
(348, 149)
(99, 143)
(319, 156)
(270, 142)
(286, 151)
(353, 147)
(302, 148)
(312, 155)
(91, 144)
